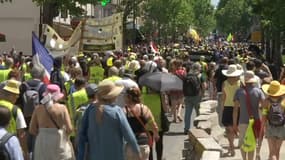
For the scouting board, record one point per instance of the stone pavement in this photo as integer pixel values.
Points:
(174, 144)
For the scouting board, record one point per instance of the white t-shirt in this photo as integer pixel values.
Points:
(20, 120)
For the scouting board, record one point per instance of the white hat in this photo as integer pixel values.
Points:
(232, 71)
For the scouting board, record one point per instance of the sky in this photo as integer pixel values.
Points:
(215, 2)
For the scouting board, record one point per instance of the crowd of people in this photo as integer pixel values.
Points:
(95, 108)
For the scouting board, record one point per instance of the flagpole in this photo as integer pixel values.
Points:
(41, 22)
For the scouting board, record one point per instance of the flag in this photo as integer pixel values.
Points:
(153, 47)
(41, 57)
(230, 37)
(192, 33)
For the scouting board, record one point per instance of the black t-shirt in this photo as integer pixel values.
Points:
(220, 78)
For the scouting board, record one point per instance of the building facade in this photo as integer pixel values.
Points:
(18, 20)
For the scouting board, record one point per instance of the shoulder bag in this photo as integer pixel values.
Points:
(65, 146)
(150, 138)
(257, 122)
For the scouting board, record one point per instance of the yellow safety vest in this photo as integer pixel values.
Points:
(96, 74)
(75, 100)
(110, 61)
(113, 78)
(68, 85)
(27, 76)
(4, 74)
(24, 67)
(152, 100)
(12, 128)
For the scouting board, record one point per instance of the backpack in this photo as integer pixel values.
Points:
(57, 78)
(276, 116)
(30, 99)
(4, 154)
(191, 85)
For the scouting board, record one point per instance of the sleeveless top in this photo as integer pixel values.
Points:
(134, 122)
(230, 90)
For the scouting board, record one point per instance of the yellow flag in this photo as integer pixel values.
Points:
(230, 37)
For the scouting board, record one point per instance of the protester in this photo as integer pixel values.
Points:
(229, 88)
(104, 125)
(176, 97)
(8, 96)
(51, 125)
(219, 80)
(10, 142)
(57, 76)
(138, 116)
(154, 100)
(193, 87)
(273, 108)
(247, 98)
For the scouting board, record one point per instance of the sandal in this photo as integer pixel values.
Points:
(180, 119)
(230, 153)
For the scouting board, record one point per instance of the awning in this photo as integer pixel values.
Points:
(2, 37)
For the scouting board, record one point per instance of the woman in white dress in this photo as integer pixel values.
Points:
(51, 124)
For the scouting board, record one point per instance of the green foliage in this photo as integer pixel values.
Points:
(234, 16)
(204, 16)
(271, 12)
(174, 17)
(69, 5)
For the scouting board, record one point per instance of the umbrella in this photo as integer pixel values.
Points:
(2, 38)
(161, 81)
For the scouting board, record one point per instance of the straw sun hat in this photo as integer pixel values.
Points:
(108, 90)
(248, 77)
(12, 86)
(232, 71)
(274, 89)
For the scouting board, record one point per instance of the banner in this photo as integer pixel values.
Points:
(91, 35)
(102, 34)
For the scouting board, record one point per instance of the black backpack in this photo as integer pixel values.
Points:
(4, 154)
(191, 85)
(276, 115)
(57, 78)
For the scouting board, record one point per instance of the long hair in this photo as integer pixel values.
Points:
(100, 107)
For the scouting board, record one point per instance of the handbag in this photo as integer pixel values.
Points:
(150, 138)
(257, 122)
(165, 124)
(65, 146)
(249, 142)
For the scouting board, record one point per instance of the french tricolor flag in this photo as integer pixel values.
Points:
(41, 57)
(153, 47)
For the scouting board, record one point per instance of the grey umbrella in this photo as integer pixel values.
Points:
(161, 81)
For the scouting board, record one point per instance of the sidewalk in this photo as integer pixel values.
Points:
(263, 153)
(174, 144)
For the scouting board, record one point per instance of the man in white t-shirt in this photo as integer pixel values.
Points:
(8, 97)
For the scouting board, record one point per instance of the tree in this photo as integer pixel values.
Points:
(271, 13)
(204, 16)
(234, 16)
(51, 8)
(167, 17)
